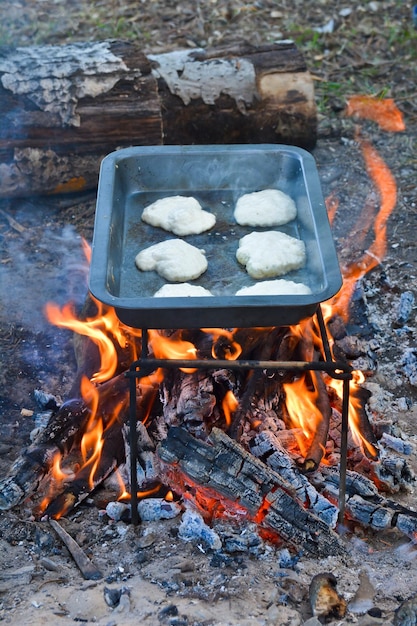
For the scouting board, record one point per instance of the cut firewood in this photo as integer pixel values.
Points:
(224, 470)
(236, 94)
(65, 107)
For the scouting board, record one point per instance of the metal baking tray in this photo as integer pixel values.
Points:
(132, 178)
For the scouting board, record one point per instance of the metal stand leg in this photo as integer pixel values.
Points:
(343, 449)
(133, 439)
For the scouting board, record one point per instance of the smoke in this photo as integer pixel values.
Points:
(41, 265)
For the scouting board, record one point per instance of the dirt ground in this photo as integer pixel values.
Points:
(156, 577)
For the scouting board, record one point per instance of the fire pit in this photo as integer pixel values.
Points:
(213, 413)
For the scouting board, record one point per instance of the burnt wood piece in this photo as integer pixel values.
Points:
(364, 504)
(195, 400)
(86, 567)
(225, 470)
(112, 454)
(65, 107)
(63, 435)
(269, 449)
(318, 442)
(258, 382)
(58, 437)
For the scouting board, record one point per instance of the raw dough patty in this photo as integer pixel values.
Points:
(270, 253)
(180, 290)
(174, 259)
(269, 207)
(274, 288)
(181, 215)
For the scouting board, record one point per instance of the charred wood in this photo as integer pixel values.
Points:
(86, 567)
(259, 382)
(225, 468)
(58, 437)
(90, 475)
(63, 434)
(268, 448)
(318, 442)
(364, 504)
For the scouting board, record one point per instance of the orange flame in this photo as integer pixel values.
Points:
(229, 405)
(387, 191)
(382, 111)
(172, 348)
(354, 408)
(303, 412)
(300, 401)
(104, 329)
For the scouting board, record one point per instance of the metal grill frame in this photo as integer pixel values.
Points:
(336, 369)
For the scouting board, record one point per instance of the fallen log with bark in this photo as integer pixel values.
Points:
(65, 107)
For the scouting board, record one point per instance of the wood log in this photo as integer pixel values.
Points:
(364, 504)
(236, 94)
(65, 107)
(225, 469)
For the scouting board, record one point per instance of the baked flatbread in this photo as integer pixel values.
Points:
(181, 215)
(270, 207)
(270, 253)
(276, 287)
(175, 260)
(180, 290)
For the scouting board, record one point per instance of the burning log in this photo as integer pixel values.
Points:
(88, 477)
(65, 107)
(63, 434)
(224, 470)
(59, 436)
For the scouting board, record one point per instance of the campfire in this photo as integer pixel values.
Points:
(268, 424)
